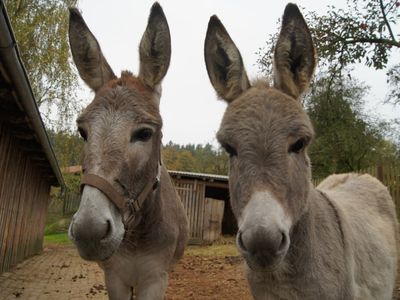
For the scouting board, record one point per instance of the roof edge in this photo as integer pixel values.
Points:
(12, 62)
(199, 175)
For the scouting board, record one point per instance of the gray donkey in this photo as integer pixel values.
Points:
(336, 241)
(130, 219)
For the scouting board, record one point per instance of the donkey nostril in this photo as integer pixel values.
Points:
(283, 243)
(108, 230)
(71, 230)
(240, 241)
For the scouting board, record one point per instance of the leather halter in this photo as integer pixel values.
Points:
(132, 206)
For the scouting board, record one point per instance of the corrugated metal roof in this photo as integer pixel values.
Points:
(202, 176)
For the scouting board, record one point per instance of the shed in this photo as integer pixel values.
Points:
(205, 198)
(28, 167)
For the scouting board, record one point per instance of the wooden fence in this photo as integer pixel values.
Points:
(71, 202)
(24, 197)
(388, 175)
(192, 195)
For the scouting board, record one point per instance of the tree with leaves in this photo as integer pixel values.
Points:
(195, 158)
(365, 32)
(346, 138)
(394, 84)
(67, 147)
(41, 30)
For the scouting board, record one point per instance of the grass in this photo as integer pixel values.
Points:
(57, 239)
(224, 246)
(213, 250)
(221, 248)
(58, 226)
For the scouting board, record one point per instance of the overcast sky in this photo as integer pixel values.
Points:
(189, 107)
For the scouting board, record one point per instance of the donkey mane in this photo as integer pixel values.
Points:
(260, 83)
(128, 94)
(128, 79)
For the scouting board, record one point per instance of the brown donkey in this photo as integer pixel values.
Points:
(130, 220)
(334, 242)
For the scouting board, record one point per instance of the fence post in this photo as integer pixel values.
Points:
(65, 202)
(379, 172)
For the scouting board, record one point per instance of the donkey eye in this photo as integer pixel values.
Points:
(83, 133)
(229, 149)
(142, 135)
(297, 146)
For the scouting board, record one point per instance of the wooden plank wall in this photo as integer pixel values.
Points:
(214, 212)
(192, 193)
(24, 197)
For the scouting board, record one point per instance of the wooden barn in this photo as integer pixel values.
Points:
(28, 167)
(206, 201)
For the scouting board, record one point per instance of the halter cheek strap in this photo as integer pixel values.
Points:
(132, 206)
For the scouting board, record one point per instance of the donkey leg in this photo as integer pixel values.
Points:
(116, 288)
(153, 288)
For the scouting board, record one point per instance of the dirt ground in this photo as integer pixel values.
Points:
(59, 273)
(199, 277)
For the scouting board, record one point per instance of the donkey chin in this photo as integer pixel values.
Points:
(96, 229)
(263, 237)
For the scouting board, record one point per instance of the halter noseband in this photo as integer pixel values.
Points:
(132, 206)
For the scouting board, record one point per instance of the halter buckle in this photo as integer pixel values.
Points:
(133, 206)
(158, 177)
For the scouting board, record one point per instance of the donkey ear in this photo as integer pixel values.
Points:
(155, 48)
(224, 62)
(92, 66)
(294, 57)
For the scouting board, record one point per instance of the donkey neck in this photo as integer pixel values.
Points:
(317, 257)
(319, 225)
(151, 210)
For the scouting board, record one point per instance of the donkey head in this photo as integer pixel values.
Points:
(121, 128)
(265, 132)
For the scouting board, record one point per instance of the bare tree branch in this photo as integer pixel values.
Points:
(371, 41)
(387, 22)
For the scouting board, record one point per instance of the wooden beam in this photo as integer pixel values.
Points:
(218, 185)
(5, 89)
(42, 165)
(48, 174)
(8, 102)
(22, 132)
(36, 157)
(31, 146)
(13, 117)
